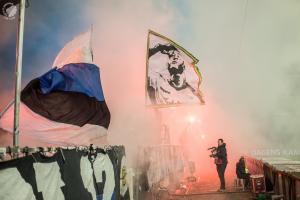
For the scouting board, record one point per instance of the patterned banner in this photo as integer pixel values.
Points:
(68, 174)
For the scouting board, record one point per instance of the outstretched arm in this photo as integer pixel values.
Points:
(164, 49)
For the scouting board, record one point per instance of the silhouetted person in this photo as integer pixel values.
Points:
(241, 172)
(221, 162)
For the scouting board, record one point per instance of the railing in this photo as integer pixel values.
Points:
(254, 165)
(279, 182)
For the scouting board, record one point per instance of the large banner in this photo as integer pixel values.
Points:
(172, 75)
(66, 175)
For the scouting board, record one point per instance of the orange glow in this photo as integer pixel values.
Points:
(191, 119)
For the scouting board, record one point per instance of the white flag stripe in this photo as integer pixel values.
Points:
(36, 130)
(78, 50)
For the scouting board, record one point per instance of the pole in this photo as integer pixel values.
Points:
(7, 107)
(19, 54)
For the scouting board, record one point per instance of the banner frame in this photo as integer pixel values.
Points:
(195, 67)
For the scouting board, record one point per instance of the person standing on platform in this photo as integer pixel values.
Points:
(242, 172)
(221, 162)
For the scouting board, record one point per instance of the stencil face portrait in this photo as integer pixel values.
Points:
(176, 69)
(171, 75)
(175, 65)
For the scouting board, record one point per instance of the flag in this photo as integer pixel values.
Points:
(172, 75)
(78, 50)
(66, 105)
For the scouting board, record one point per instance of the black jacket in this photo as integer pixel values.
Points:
(240, 169)
(222, 153)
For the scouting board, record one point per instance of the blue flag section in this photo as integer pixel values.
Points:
(74, 77)
(71, 94)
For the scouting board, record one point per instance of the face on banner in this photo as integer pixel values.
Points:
(172, 76)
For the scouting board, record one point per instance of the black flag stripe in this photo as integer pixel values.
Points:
(66, 107)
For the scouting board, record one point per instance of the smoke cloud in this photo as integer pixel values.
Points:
(249, 59)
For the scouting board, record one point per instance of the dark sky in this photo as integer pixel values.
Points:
(48, 26)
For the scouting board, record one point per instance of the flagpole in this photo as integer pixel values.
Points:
(7, 107)
(91, 37)
(19, 55)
